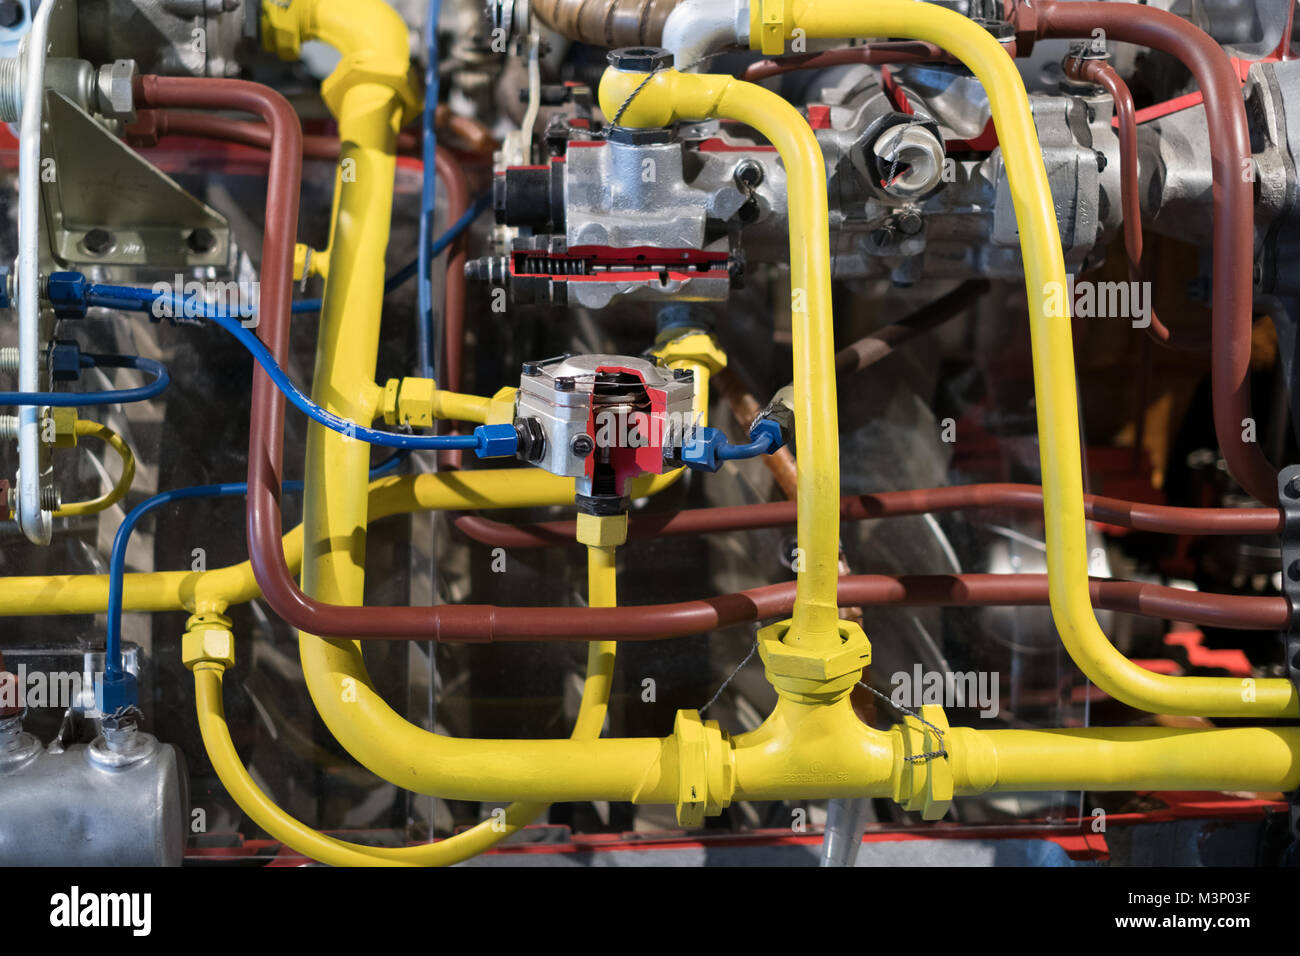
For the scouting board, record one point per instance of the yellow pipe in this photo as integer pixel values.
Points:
(219, 588)
(84, 429)
(1125, 758)
(461, 408)
(669, 96)
(1053, 354)
(271, 818)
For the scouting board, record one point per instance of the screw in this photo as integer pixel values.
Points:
(1101, 161)
(201, 240)
(98, 242)
(582, 445)
(565, 384)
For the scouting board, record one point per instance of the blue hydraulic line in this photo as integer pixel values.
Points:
(707, 448)
(408, 271)
(119, 687)
(428, 195)
(486, 440)
(117, 396)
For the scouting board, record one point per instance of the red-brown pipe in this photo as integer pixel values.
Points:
(457, 186)
(870, 54)
(1234, 201)
(1101, 73)
(1161, 519)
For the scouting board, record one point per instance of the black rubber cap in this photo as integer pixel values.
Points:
(640, 59)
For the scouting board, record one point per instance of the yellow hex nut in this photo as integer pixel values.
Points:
(208, 638)
(415, 401)
(601, 531)
(786, 660)
(64, 421)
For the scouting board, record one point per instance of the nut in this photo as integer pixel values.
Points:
(115, 88)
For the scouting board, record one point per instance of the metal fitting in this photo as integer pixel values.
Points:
(640, 59)
(909, 158)
(811, 676)
(114, 86)
(208, 639)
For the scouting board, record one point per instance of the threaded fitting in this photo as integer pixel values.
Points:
(11, 89)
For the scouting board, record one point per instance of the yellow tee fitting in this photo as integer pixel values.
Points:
(813, 676)
(208, 639)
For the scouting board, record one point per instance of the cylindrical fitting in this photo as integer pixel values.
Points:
(909, 158)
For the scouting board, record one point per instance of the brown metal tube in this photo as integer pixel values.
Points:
(872, 348)
(870, 54)
(1162, 519)
(1234, 201)
(1101, 73)
(607, 23)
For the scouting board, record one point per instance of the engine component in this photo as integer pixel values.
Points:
(603, 420)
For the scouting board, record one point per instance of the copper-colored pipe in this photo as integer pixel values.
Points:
(1101, 73)
(745, 408)
(870, 349)
(1234, 201)
(457, 186)
(607, 23)
(1161, 519)
(870, 54)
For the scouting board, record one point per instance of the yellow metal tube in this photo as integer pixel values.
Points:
(772, 21)
(668, 96)
(1125, 758)
(271, 818)
(89, 429)
(219, 588)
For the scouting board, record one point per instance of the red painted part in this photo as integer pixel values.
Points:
(819, 117)
(1075, 835)
(895, 92)
(586, 143)
(1230, 659)
(686, 264)
(718, 145)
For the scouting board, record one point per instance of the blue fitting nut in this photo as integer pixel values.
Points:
(115, 694)
(766, 427)
(6, 286)
(496, 441)
(65, 361)
(700, 449)
(67, 294)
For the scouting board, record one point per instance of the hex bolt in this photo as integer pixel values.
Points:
(98, 242)
(565, 384)
(11, 13)
(909, 221)
(201, 240)
(582, 445)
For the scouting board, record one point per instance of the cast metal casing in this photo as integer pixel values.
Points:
(618, 410)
